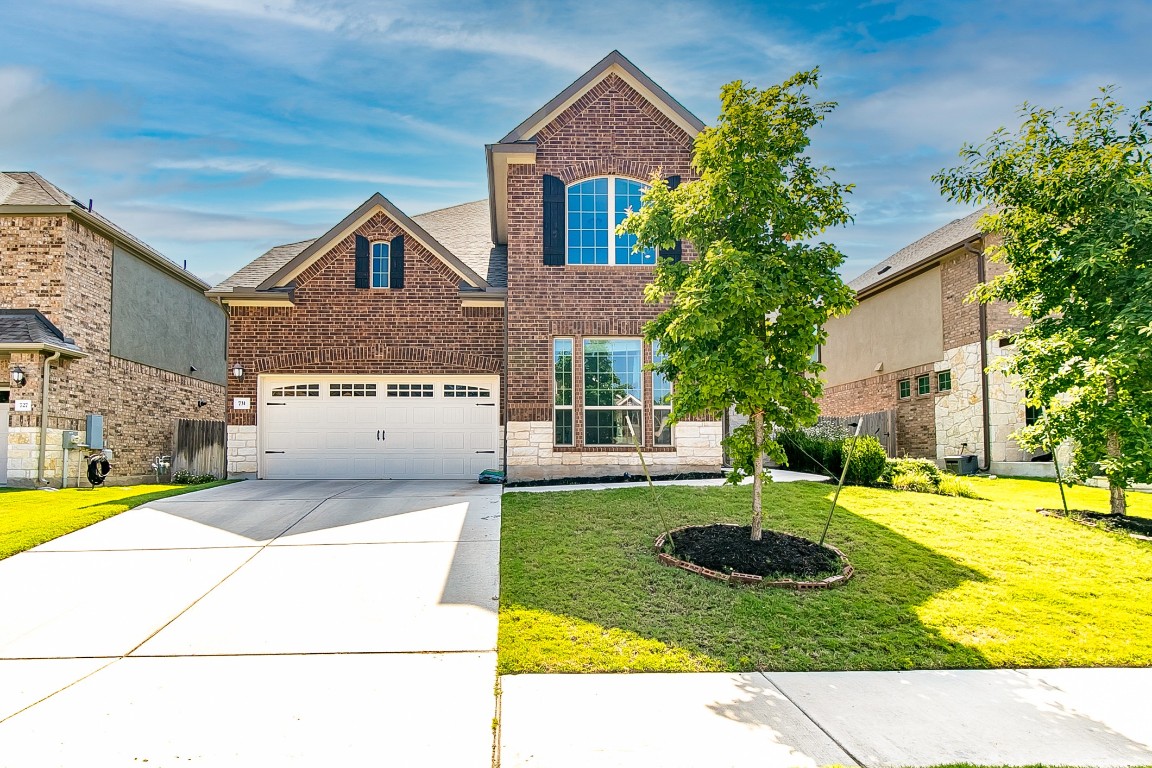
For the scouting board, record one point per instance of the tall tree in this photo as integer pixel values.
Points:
(1073, 197)
(745, 317)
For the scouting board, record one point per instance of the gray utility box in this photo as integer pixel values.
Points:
(94, 431)
(961, 465)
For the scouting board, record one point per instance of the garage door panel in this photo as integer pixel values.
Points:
(406, 435)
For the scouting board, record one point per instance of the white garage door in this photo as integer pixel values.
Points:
(374, 427)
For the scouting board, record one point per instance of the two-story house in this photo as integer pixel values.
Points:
(499, 333)
(94, 322)
(916, 345)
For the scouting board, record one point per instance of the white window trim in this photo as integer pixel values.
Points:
(611, 226)
(372, 264)
(654, 405)
(641, 406)
(571, 407)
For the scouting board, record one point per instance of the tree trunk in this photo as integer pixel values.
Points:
(1117, 503)
(758, 479)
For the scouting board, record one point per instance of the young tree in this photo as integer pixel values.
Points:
(745, 317)
(1073, 197)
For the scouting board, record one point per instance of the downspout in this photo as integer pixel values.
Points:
(44, 416)
(504, 393)
(984, 401)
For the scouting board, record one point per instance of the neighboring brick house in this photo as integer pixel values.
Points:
(915, 345)
(503, 332)
(120, 331)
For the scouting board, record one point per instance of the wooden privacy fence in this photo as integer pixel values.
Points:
(198, 447)
(881, 425)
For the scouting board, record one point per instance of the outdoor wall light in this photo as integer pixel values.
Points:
(18, 377)
(237, 371)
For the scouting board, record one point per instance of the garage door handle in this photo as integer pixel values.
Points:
(485, 451)
(273, 451)
(490, 405)
(275, 403)
(377, 434)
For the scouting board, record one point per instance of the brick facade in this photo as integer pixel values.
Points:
(335, 327)
(611, 130)
(63, 268)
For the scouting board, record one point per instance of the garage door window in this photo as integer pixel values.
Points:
(297, 390)
(352, 390)
(411, 390)
(460, 390)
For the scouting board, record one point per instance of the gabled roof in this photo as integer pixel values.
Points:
(613, 63)
(29, 192)
(519, 146)
(461, 229)
(922, 252)
(297, 264)
(28, 329)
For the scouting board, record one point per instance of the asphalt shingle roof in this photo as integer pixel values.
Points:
(29, 326)
(947, 237)
(26, 188)
(465, 230)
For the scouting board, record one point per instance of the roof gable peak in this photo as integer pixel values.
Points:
(615, 63)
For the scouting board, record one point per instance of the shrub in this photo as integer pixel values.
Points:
(868, 462)
(812, 452)
(951, 485)
(924, 466)
(184, 477)
(913, 479)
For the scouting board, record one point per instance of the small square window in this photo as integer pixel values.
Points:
(924, 385)
(905, 388)
(944, 381)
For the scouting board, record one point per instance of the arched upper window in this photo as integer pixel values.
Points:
(595, 208)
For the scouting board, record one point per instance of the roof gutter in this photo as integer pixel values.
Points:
(985, 404)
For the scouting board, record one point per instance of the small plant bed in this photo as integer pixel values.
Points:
(1136, 527)
(728, 553)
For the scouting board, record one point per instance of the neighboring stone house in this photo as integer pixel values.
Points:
(119, 331)
(500, 333)
(914, 344)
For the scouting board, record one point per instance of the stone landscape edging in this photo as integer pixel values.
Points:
(736, 578)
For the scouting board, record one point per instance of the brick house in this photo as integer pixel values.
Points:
(102, 324)
(914, 345)
(499, 333)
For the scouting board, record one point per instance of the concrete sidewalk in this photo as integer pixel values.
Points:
(1080, 717)
(778, 476)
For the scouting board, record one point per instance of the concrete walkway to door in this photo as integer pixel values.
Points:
(286, 623)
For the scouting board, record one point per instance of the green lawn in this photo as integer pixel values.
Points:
(940, 582)
(31, 517)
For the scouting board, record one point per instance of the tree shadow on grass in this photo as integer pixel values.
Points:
(588, 557)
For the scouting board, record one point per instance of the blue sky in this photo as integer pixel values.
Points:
(214, 129)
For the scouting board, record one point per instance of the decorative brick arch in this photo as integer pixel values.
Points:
(607, 166)
(458, 361)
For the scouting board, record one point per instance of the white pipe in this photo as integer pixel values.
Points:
(44, 415)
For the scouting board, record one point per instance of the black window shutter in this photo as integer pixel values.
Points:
(396, 263)
(675, 251)
(363, 263)
(554, 221)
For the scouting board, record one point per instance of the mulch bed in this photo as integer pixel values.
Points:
(727, 553)
(1137, 527)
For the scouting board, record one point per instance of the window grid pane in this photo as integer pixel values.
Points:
(462, 390)
(923, 385)
(411, 390)
(905, 388)
(563, 426)
(610, 426)
(628, 194)
(352, 390)
(944, 381)
(297, 390)
(379, 265)
(612, 372)
(588, 222)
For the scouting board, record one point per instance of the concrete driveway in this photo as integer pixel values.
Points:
(262, 623)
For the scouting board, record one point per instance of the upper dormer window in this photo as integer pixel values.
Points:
(380, 253)
(595, 208)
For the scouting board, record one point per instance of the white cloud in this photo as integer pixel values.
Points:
(274, 168)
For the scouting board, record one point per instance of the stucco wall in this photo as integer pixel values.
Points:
(159, 321)
(899, 328)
